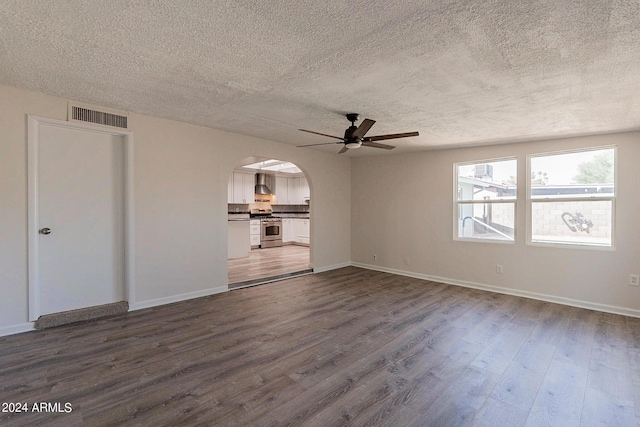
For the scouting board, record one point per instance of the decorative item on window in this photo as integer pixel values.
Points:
(576, 222)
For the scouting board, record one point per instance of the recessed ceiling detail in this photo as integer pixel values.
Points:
(459, 72)
(273, 165)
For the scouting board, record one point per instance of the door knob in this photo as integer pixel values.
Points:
(45, 231)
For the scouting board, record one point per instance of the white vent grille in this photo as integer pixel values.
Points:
(98, 117)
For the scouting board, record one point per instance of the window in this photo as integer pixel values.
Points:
(485, 200)
(572, 197)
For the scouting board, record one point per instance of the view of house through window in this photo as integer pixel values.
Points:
(486, 196)
(572, 197)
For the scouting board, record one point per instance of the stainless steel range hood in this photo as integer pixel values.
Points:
(261, 184)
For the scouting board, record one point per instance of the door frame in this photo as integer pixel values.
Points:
(33, 136)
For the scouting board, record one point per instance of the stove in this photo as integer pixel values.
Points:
(261, 212)
(270, 226)
(270, 232)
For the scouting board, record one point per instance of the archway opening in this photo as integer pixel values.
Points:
(269, 222)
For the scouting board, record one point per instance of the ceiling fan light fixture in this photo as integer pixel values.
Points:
(351, 145)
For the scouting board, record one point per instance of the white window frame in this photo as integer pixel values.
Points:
(612, 199)
(457, 203)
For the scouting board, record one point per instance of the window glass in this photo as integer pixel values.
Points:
(485, 200)
(491, 180)
(493, 221)
(576, 222)
(580, 174)
(572, 197)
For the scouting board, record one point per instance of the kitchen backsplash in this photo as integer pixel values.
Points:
(238, 208)
(290, 208)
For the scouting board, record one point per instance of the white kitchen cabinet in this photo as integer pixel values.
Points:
(230, 189)
(303, 190)
(286, 230)
(303, 231)
(238, 188)
(295, 230)
(298, 230)
(243, 188)
(238, 246)
(254, 232)
(291, 190)
(282, 190)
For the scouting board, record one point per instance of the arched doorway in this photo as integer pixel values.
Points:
(269, 206)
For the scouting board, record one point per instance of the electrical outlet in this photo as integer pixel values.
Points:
(406, 261)
(375, 257)
(634, 280)
(499, 269)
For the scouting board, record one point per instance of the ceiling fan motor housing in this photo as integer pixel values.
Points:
(348, 134)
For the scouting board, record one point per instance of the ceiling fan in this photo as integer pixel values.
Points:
(354, 136)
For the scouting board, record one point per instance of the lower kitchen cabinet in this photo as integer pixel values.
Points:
(287, 228)
(238, 247)
(303, 231)
(254, 232)
(295, 230)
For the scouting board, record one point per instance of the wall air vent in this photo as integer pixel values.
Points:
(89, 115)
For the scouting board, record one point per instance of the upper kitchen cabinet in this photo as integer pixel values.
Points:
(303, 191)
(282, 190)
(291, 190)
(241, 188)
(294, 191)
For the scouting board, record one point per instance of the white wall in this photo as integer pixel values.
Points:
(180, 190)
(402, 206)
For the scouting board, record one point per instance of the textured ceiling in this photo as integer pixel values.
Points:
(459, 72)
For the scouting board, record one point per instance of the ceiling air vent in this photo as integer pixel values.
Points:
(88, 115)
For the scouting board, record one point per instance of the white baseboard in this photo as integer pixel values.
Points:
(624, 311)
(29, 326)
(332, 267)
(176, 298)
(16, 329)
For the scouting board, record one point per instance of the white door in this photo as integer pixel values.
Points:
(80, 218)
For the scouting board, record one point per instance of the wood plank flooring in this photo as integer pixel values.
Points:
(268, 262)
(348, 347)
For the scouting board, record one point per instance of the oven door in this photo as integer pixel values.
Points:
(271, 231)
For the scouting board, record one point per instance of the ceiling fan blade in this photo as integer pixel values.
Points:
(313, 145)
(344, 150)
(389, 136)
(363, 128)
(377, 145)
(322, 134)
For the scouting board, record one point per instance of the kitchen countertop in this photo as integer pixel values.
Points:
(301, 215)
(246, 217)
(238, 217)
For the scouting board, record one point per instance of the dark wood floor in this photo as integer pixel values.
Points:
(345, 347)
